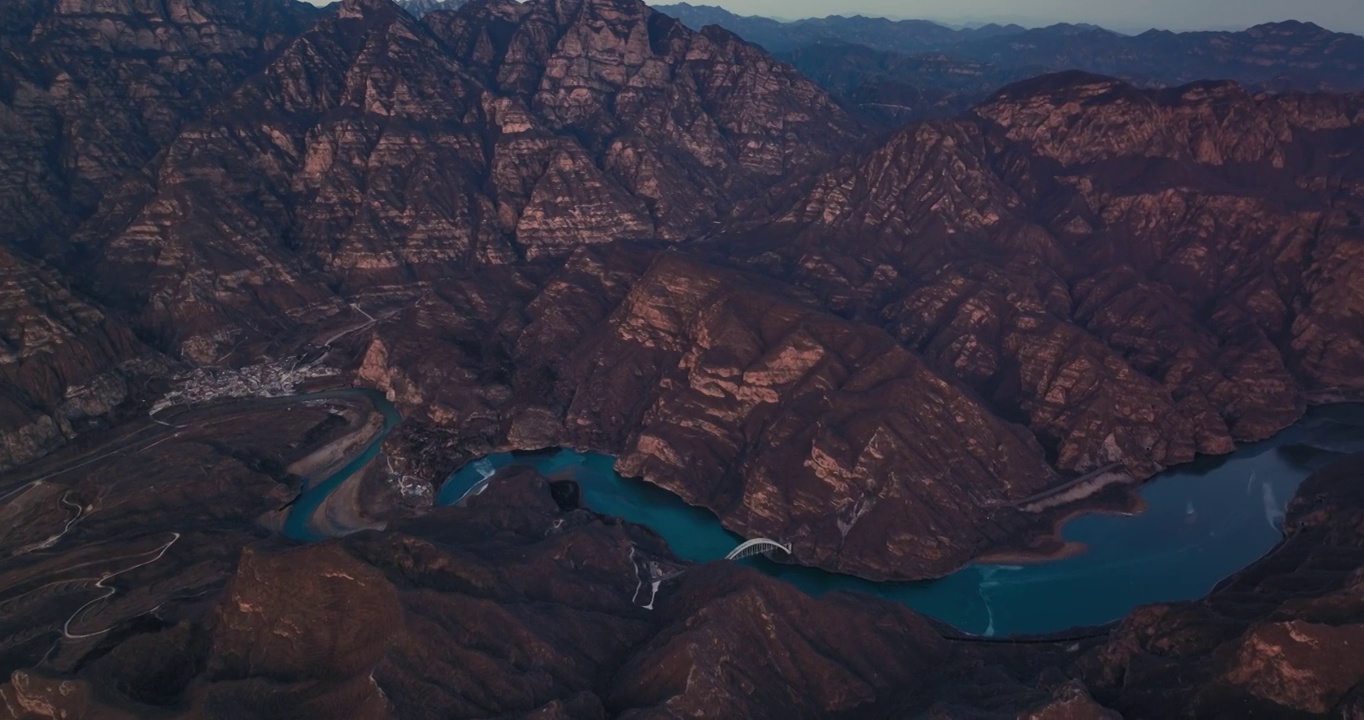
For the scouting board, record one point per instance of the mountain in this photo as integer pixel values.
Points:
(63, 362)
(894, 88)
(906, 36)
(1275, 56)
(419, 8)
(524, 604)
(454, 175)
(580, 224)
(1136, 277)
(375, 150)
(1074, 237)
(896, 71)
(90, 92)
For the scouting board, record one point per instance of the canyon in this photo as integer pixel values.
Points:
(582, 224)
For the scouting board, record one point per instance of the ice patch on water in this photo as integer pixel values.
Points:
(1273, 515)
(988, 581)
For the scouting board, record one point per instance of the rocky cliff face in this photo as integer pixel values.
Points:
(89, 93)
(380, 151)
(1067, 249)
(791, 423)
(90, 90)
(684, 122)
(730, 389)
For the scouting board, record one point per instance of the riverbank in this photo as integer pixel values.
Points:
(342, 512)
(300, 523)
(1112, 491)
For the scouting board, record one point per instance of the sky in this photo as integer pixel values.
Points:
(1123, 15)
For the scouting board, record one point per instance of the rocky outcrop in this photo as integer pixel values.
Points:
(831, 667)
(62, 361)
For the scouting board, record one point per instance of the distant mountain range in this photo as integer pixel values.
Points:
(777, 36)
(419, 8)
(906, 69)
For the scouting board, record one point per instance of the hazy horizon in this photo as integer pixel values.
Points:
(1338, 15)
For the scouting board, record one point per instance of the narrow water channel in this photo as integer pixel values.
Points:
(298, 524)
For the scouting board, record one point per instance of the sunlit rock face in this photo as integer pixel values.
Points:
(684, 122)
(792, 423)
(375, 151)
(1138, 276)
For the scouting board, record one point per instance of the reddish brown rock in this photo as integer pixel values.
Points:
(819, 658)
(1070, 702)
(686, 123)
(1135, 274)
(1300, 665)
(383, 152)
(93, 89)
(792, 424)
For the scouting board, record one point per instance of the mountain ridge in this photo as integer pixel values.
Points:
(897, 71)
(579, 224)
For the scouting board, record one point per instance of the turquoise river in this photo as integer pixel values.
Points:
(1203, 522)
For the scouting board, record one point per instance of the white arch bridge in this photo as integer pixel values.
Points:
(757, 546)
(659, 573)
